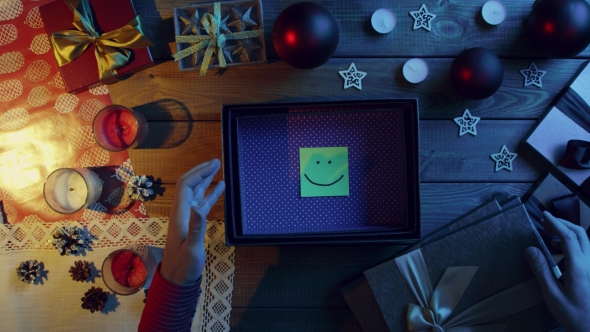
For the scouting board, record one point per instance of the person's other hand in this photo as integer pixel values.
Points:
(568, 299)
(184, 253)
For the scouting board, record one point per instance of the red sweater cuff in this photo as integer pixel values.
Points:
(169, 307)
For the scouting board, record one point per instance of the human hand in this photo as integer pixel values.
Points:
(184, 253)
(568, 299)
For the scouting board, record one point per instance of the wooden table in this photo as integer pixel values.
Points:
(296, 288)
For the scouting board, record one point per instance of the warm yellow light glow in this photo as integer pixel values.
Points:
(28, 155)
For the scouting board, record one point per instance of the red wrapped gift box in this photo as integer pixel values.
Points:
(109, 15)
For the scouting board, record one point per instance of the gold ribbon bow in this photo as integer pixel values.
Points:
(112, 48)
(212, 40)
(435, 307)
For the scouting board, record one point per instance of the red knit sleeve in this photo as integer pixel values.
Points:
(169, 307)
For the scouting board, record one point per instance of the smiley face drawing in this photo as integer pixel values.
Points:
(324, 171)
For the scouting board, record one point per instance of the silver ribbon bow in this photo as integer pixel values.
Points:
(434, 307)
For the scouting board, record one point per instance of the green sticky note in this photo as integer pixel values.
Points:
(323, 171)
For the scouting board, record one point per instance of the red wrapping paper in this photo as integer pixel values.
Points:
(42, 127)
(110, 15)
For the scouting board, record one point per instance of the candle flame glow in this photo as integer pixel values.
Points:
(27, 156)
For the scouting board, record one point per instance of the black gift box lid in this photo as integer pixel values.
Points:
(261, 159)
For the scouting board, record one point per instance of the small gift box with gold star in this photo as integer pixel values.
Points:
(219, 35)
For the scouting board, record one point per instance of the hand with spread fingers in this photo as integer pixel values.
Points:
(184, 253)
(568, 298)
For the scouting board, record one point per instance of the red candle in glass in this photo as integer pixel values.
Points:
(118, 128)
(128, 269)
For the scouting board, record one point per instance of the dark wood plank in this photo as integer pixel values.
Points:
(458, 25)
(164, 94)
(447, 157)
(295, 320)
(281, 277)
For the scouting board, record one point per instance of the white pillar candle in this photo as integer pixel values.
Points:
(68, 190)
(383, 20)
(493, 12)
(415, 70)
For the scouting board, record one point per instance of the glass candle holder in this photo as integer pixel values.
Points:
(68, 190)
(126, 271)
(117, 128)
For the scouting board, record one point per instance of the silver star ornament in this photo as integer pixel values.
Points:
(532, 75)
(467, 123)
(422, 18)
(503, 159)
(352, 77)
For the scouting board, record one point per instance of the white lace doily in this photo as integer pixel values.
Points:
(214, 308)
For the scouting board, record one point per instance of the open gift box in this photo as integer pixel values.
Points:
(321, 173)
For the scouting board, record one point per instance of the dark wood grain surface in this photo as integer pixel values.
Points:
(296, 288)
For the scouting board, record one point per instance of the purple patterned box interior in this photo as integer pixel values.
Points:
(268, 159)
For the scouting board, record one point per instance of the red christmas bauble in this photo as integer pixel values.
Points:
(477, 73)
(305, 35)
(560, 28)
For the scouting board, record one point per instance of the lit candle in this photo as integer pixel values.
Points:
(383, 20)
(126, 271)
(415, 70)
(68, 190)
(493, 12)
(118, 128)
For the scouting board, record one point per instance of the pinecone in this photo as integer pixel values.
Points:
(68, 240)
(80, 271)
(94, 299)
(28, 271)
(138, 188)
